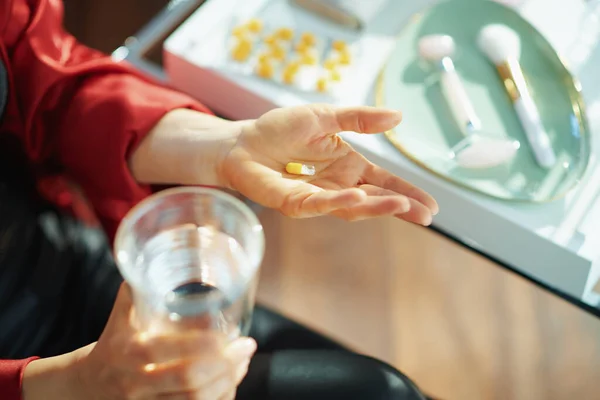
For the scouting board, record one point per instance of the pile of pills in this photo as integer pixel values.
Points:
(280, 54)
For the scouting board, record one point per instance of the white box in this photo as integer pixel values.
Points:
(545, 242)
(196, 54)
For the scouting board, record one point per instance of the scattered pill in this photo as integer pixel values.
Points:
(264, 57)
(308, 39)
(302, 47)
(330, 64)
(293, 66)
(288, 77)
(239, 32)
(270, 40)
(284, 33)
(278, 53)
(255, 25)
(335, 75)
(322, 85)
(242, 50)
(339, 45)
(309, 58)
(345, 58)
(300, 169)
(265, 70)
(290, 72)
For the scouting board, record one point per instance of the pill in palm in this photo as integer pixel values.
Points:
(296, 168)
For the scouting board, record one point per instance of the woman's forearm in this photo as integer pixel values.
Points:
(186, 147)
(53, 378)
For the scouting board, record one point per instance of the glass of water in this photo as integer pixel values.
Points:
(191, 256)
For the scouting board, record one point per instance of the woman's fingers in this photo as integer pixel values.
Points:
(414, 212)
(384, 202)
(378, 176)
(362, 119)
(327, 201)
(417, 214)
(379, 202)
(198, 377)
(367, 201)
(217, 390)
(212, 377)
(158, 349)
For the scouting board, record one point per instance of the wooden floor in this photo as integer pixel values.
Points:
(460, 326)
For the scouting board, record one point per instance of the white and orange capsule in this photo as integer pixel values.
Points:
(295, 168)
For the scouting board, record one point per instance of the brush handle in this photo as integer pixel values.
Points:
(459, 102)
(534, 130)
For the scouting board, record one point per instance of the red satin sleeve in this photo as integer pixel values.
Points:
(11, 375)
(80, 110)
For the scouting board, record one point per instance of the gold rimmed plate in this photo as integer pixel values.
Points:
(428, 132)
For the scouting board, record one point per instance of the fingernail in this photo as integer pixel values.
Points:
(394, 116)
(241, 348)
(428, 220)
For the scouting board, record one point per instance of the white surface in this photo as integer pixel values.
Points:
(554, 243)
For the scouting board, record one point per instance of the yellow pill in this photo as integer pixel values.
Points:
(241, 52)
(302, 47)
(335, 76)
(293, 66)
(288, 77)
(330, 64)
(339, 45)
(239, 32)
(244, 44)
(299, 169)
(240, 55)
(278, 53)
(285, 33)
(309, 39)
(289, 73)
(308, 59)
(270, 40)
(255, 25)
(264, 57)
(265, 70)
(322, 84)
(345, 58)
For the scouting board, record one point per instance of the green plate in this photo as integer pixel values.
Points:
(428, 131)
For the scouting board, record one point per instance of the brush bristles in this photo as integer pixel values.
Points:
(435, 47)
(499, 43)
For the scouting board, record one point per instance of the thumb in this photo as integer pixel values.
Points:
(120, 317)
(361, 119)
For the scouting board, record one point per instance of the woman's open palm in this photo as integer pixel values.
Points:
(345, 183)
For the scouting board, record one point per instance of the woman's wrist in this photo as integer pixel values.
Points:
(53, 378)
(186, 147)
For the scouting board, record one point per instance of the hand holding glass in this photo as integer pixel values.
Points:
(191, 256)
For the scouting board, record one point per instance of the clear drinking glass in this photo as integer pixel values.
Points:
(192, 257)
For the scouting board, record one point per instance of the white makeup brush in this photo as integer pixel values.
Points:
(503, 47)
(475, 151)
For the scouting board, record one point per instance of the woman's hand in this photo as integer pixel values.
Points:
(191, 148)
(125, 364)
(346, 184)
